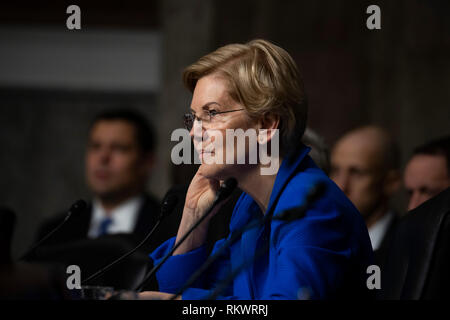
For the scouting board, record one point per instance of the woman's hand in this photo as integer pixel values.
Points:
(199, 198)
(201, 193)
(156, 295)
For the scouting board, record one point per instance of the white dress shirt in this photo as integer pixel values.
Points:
(379, 229)
(124, 217)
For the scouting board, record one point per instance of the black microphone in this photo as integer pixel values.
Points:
(224, 192)
(288, 215)
(169, 203)
(75, 208)
(298, 212)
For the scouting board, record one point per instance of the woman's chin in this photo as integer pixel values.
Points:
(215, 171)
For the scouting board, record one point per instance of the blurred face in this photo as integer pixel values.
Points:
(210, 96)
(115, 166)
(355, 168)
(425, 176)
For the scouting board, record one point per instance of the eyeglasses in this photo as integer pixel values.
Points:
(190, 117)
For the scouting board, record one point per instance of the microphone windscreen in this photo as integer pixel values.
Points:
(78, 206)
(168, 205)
(299, 212)
(316, 192)
(227, 188)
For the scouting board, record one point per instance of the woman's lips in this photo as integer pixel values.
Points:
(203, 153)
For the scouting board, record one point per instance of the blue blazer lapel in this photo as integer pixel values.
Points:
(287, 170)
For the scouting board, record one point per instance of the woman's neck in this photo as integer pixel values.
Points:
(258, 186)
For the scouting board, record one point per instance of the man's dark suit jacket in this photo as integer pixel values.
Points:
(380, 255)
(418, 259)
(77, 227)
(71, 245)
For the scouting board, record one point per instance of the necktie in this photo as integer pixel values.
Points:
(104, 225)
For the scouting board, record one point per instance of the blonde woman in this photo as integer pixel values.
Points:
(257, 86)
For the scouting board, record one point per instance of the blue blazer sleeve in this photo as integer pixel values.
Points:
(177, 269)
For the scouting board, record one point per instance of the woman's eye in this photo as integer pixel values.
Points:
(212, 113)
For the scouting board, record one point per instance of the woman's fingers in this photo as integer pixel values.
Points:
(156, 295)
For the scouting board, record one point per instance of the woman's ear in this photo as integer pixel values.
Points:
(268, 127)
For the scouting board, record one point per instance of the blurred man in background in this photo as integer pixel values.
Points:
(118, 163)
(427, 173)
(365, 165)
(119, 160)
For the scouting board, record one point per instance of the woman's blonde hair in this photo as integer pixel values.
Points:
(264, 79)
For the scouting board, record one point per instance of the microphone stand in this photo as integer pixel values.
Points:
(118, 260)
(223, 193)
(167, 208)
(77, 206)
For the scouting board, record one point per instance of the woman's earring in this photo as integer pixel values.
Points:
(262, 137)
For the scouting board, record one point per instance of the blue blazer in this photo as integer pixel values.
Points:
(323, 255)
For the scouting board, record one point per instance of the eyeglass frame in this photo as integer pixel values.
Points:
(210, 113)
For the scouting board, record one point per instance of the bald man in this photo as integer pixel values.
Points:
(427, 173)
(365, 165)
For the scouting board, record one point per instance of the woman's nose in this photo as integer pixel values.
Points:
(196, 132)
